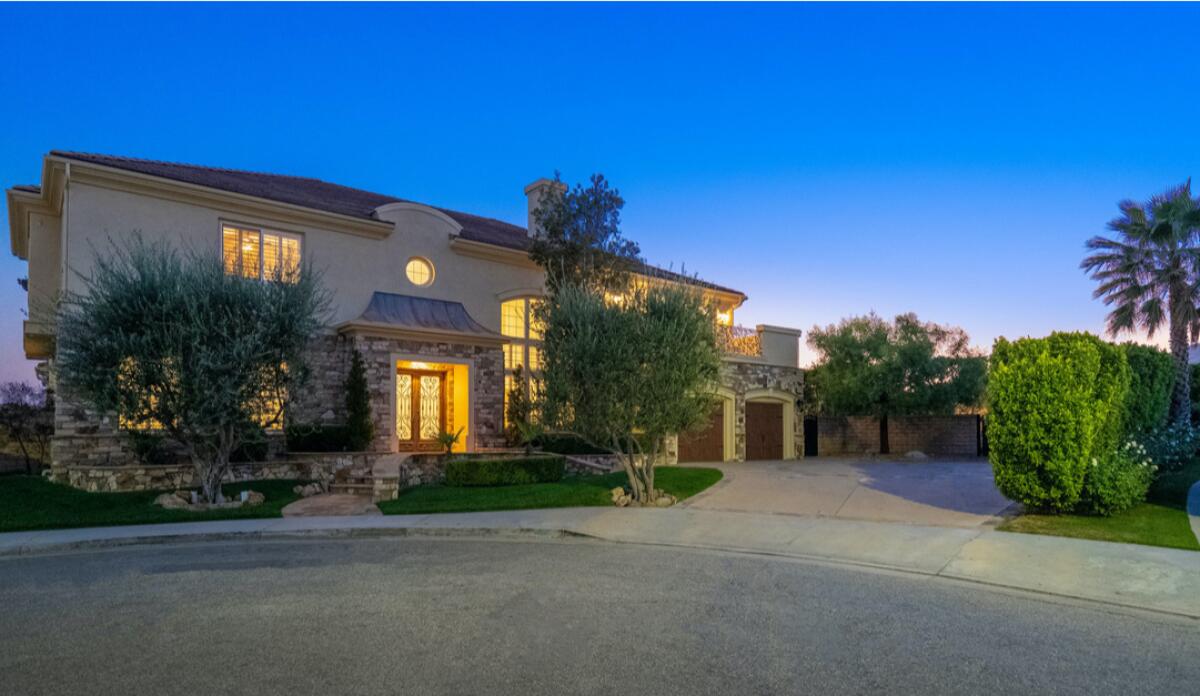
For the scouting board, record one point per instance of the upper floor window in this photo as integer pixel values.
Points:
(260, 254)
(419, 271)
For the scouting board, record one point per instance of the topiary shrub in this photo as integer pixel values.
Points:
(1117, 480)
(360, 429)
(1152, 376)
(1056, 403)
(504, 472)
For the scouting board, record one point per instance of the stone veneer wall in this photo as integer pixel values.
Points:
(324, 399)
(85, 438)
(137, 477)
(741, 377)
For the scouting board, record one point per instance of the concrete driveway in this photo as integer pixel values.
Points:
(948, 493)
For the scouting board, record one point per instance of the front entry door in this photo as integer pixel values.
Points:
(420, 409)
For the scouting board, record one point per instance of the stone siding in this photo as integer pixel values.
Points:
(86, 440)
(742, 377)
(308, 467)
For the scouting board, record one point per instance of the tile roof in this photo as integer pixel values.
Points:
(327, 197)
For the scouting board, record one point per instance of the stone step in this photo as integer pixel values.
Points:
(353, 488)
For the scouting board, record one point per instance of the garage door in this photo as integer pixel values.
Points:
(764, 430)
(707, 445)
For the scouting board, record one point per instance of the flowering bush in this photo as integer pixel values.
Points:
(1116, 482)
(1172, 447)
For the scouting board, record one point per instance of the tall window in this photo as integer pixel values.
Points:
(260, 254)
(519, 322)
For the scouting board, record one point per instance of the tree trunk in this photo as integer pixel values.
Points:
(1181, 396)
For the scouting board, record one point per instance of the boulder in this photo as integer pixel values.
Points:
(255, 498)
(170, 501)
(916, 455)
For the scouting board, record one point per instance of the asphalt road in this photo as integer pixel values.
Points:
(453, 616)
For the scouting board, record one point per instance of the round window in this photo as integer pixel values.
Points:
(419, 271)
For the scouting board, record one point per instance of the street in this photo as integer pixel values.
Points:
(429, 616)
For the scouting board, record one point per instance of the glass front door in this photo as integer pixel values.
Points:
(420, 409)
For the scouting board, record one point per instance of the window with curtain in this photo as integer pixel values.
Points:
(260, 254)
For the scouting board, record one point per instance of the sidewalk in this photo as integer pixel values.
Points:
(1163, 580)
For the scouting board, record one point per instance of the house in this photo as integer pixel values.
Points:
(437, 301)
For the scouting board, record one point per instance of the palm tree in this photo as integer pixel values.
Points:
(1150, 274)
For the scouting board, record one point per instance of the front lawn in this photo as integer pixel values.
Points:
(1160, 521)
(31, 502)
(572, 491)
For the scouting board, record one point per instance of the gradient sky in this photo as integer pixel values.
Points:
(826, 159)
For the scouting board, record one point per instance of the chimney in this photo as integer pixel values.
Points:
(535, 193)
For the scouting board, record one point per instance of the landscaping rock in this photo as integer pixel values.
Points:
(255, 498)
(665, 501)
(170, 501)
(916, 455)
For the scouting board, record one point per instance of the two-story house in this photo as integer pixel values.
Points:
(437, 301)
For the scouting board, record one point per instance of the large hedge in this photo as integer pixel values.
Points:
(1056, 407)
(1152, 377)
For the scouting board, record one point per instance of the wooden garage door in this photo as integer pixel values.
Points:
(706, 445)
(764, 430)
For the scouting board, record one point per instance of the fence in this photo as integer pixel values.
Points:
(933, 435)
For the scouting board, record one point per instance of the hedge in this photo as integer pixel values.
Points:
(504, 472)
(1152, 378)
(318, 438)
(566, 443)
(1057, 406)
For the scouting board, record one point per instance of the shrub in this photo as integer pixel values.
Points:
(149, 447)
(1056, 404)
(504, 472)
(1152, 375)
(1117, 480)
(313, 437)
(1172, 447)
(566, 443)
(250, 450)
(360, 429)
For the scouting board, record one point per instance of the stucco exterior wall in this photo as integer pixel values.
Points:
(353, 266)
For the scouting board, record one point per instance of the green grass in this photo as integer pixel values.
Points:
(1160, 521)
(30, 502)
(574, 491)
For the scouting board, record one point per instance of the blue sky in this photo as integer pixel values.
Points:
(826, 159)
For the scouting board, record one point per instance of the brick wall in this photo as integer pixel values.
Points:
(933, 435)
(847, 435)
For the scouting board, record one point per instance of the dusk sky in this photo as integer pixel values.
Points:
(827, 160)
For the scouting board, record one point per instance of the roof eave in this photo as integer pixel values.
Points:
(150, 184)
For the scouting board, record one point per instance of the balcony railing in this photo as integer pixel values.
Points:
(739, 340)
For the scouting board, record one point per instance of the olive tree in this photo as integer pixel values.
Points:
(167, 340)
(27, 421)
(579, 239)
(625, 375)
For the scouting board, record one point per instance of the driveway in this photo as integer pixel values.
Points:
(948, 493)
